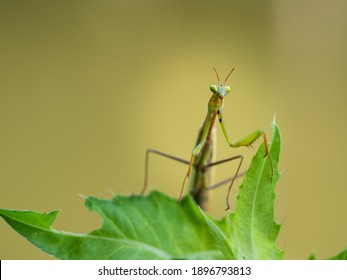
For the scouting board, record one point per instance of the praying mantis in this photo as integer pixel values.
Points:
(202, 157)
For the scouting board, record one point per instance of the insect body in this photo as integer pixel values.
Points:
(202, 157)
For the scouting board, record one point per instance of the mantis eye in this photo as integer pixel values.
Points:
(213, 88)
(227, 88)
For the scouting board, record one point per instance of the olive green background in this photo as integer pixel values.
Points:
(87, 86)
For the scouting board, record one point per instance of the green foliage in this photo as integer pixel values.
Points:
(253, 230)
(157, 227)
(136, 227)
(253, 226)
(341, 256)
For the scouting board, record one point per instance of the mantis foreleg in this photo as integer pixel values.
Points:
(246, 141)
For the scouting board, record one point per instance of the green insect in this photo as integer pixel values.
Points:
(202, 157)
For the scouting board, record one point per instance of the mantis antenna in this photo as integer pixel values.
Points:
(228, 75)
(216, 74)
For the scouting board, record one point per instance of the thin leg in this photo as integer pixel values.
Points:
(186, 177)
(246, 141)
(226, 180)
(147, 164)
(232, 181)
(221, 183)
(223, 161)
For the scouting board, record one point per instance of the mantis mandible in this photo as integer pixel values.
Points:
(203, 153)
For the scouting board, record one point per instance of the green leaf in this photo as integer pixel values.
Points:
(253, 228)
(221, 234)
(341, 256)
(136, 227)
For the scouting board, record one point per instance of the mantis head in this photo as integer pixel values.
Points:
(221, 89)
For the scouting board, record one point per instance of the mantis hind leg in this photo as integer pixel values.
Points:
(225, 181)
(232, 179)
(148, 152)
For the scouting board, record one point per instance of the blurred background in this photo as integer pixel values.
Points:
(87, 86)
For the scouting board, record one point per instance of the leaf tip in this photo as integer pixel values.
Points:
(274, 123)
(82, 196)
(274, 118)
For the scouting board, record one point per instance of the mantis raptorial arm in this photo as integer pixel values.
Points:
(245, 141)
